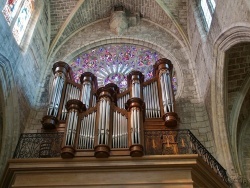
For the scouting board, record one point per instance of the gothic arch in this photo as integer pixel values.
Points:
(233, 35)
(10, 105)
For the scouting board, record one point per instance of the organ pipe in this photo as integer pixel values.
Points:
(135, 78)
(106, 96)
(163, 68)
(60, 70)
(88, 81)
(74, 107)
(86, 134)
(136, 107)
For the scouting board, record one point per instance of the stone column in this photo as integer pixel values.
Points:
(136, 138)
(163, 69)
(74, 107)
(61, 71)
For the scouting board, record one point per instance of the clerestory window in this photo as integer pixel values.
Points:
(207, 8)
(18, 14)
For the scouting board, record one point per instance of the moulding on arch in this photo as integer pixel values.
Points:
(237, 33)
(153, 46)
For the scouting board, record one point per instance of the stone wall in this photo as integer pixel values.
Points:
(238, 68)
(208, 67)
(21, 67)
(60, 10)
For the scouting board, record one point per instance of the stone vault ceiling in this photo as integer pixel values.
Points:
(68, 16)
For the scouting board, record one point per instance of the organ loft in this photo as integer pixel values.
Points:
(124, 93)
(128, 131)
(104, 121)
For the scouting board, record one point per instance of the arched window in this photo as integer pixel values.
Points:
(17, 14)
(207, 8)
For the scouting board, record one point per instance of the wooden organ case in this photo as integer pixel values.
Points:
(104, 122)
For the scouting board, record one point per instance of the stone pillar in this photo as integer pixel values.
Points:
(88, 81)
(135, 79)
(61, 71)
(106, 95)
(74, 107)
(136, 137)
(163, 68)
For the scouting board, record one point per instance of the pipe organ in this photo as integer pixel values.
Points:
(103, 122)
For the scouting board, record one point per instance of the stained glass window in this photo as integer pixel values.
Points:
(10, 9)
(112, 63)
(19, 12)
(207, 10)
(22, 20)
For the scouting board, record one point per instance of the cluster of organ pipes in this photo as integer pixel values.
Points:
(72, 92)
(102, 119)
(120, 130)
(71, 128)
(151, 99)
(122, 100)
(135, 125)
(167, 93)
(87, 132)
(56, 94)
(93, 100)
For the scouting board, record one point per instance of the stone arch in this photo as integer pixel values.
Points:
(146, 34)
(159, 49)
(10, 105)
(229, 37)
(242, 150)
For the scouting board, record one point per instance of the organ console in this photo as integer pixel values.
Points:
(102, 121)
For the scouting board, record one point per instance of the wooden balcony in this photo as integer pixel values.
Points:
(148, 171)
(172, 158)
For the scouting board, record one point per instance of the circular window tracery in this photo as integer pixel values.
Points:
(111, 63)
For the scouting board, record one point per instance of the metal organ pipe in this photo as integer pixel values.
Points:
(72, 92)
(106, 96)
(74, 107)
(135, 106)
(89, 128)
(56, 93)
(163, 67)
(151, 99)
(135, 78)
(87, 79)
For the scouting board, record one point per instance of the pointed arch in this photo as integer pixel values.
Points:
(236, 33)
(10, 105)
